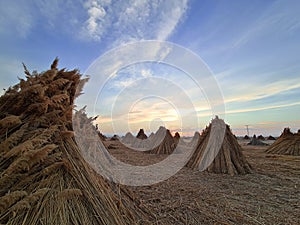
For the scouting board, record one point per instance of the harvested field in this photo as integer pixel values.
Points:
(270, 195)
(44, 178)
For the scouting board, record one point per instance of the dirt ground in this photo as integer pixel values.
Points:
(270, 195)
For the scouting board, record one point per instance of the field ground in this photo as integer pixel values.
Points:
(270, 195)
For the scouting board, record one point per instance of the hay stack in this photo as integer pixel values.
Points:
(136, 143)
(229, 158)
(260, 137)
(128, 138)
(151, 136)
(271, 138)
(177, 135)
(246, 137)
(163, 142)
(195, 140)
(256, 142)
(287, 144)
(141, 134)
(176, 138)
(115, 138)
(43, 177)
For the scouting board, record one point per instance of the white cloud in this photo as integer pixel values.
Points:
(262, 108)
(146, 73)
(171, 19)
(254, 90)
(124, 21)
(117, 22)
(124, 83)
(94, 26)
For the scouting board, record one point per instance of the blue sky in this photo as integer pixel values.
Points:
(251, 47)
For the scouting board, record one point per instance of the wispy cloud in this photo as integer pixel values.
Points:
(275, 123)
(254, 91)
(127, 76)
(96, 24)
(114, 22)
(171, 18)
(15, 18)
(261, 108)
(64, 17)
(125, 21)
(280, 17)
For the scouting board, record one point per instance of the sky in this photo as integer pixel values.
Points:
(251, 49)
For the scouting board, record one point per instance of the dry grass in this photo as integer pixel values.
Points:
(287, 144)
(269, 195)
(9, 121)
(43, 177)
(228, 160)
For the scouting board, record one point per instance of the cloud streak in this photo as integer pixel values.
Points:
(280, 17)
(262, 108)
(132, 20)
(256, 91)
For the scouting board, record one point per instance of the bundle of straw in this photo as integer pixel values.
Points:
(226, 158)
(43, 176)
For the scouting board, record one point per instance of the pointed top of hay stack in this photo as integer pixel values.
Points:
(115, 137)
(287, 144)
(43, 176)
(128, 138)
(260, 137)
(246, 137)
(271, 138)
(177, 135)
(141, 134)
(286, 132)
(151, 135)
(229, 159)
(163, 142)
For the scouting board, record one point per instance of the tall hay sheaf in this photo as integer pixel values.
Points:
(141, 134)
(229, 159)
(287, 144)
(43, 177)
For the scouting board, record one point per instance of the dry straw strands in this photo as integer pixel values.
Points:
(229, 158)
(287, 144)
(9, 121)
(141, 134)
(43, 176)
(165, 145)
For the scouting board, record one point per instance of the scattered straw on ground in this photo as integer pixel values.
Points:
(270, 195)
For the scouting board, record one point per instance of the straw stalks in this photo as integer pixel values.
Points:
(43, 176)
(287, 144)
(227, 159)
